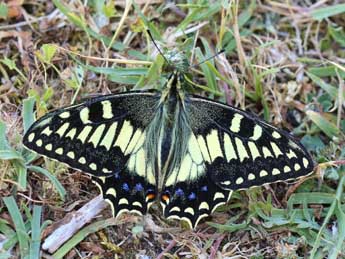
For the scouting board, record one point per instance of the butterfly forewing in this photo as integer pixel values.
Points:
(103, 137)
(243, 151)
(228, 149)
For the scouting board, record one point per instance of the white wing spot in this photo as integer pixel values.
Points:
(257, 132)
(71, 154)
(49, 147)
(276, 135)
(251, 176)
(82, 160)
(297, 167)
(226, 182)
(239, 180)
(175, 209)
(236, 123)
(31, 137)
(138, 204)
(93, 166)
(218, 195)
(84, 115)
(189, 210)
(305, 162)
(39, 142)
(105, 170)
(204, 205)
(107, 109)
(291, 154)
(64, 115)
(275, 171)
(123, 201)
(263, 173)
(111, 191)
(59, 151)
(287, 169)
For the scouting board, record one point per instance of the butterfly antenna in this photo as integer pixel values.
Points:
(215, 55)
(154, 43)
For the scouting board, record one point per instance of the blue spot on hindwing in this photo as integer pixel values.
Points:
(179, 192)
(125, 187)
(204, 188)
(192, 196)
(139, 187)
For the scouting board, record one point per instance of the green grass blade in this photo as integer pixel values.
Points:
(22, 174)
(209, 76)
(79, 22)
(325, 12)
(28, 114)
(228, 227)
(22, 236)
(330, 89)
(10, 234)
(4, 145)
(328, 127)
(58, 186)
(200, 13)
(10, 155)
(330, 213)
(326, 71)
(113, 70)
(340, 214)
(35, 241)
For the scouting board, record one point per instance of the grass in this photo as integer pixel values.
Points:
(284, 60)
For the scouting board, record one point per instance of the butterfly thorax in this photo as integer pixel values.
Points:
(168, 131)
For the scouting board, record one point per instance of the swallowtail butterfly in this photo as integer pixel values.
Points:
(188, 152)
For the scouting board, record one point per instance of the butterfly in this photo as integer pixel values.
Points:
(185, 151)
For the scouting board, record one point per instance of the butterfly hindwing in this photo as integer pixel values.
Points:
(243, 151)
(96, 136)
(126, 192)
(193, 200)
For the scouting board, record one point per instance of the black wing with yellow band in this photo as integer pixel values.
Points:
(242, 150)
(103, 137)
(228, 149)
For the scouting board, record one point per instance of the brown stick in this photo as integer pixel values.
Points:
(72, 223)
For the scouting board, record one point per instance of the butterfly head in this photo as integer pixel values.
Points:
(177, 61)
